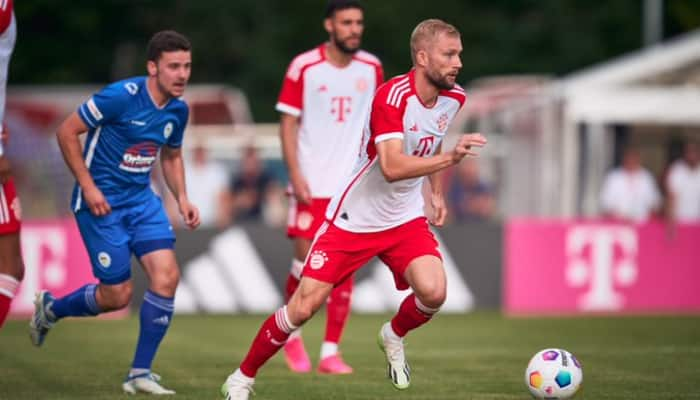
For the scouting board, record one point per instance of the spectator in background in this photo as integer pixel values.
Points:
(629, 192)
(206, 181)
(470, 197)
(683, 184)
(249, 188)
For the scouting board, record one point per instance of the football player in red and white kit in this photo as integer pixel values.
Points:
(324, 101)
(11, 266)
(379, 212)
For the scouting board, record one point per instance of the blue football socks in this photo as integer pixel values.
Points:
(80, 303)
(156, 314)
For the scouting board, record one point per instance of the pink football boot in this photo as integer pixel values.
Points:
(334, 365)
(296, 357)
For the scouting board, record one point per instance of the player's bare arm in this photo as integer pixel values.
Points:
(397, 165)
(68, 141)
(289, 131)
(174, 174)
(437, 199)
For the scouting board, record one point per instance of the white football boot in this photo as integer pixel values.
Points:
(397, 368)
(42, 319)
(146, 383)
(237, 387)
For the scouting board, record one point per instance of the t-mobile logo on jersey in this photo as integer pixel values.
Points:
(603, 256)
(424, 147)
(340, 107)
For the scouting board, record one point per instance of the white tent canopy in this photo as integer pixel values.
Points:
(554, 167)
(637, 66)
(646, 105)
(654, 86)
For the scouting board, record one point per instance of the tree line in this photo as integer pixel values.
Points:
(249, 43)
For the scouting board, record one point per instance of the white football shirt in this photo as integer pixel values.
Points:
(369, 203)
(332, 104)
(630, 195)
(684, 182)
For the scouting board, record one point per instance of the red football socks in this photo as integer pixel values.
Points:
(338, 310)
(411, 315)
(271, 337)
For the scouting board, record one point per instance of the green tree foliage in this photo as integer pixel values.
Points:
(249, 43)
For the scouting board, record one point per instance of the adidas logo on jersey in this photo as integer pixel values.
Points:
(414, 128)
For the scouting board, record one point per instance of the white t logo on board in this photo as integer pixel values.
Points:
(599, 267)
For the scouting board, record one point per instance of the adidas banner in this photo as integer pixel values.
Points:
(243, 270)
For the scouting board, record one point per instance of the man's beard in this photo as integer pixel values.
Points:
(343, 47)
(439, 81)
(163, 89)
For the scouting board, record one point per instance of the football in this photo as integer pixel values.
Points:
(553, 374)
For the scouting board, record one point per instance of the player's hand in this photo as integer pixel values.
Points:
(96, 201)
(190, 213)
(467, 144)
(302, 192)
(5, 169)
(437, 201)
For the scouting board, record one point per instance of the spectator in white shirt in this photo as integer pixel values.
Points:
(683, 184)
(629, 192)
(206, 184)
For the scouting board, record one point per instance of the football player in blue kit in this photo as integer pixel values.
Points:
(129, 123)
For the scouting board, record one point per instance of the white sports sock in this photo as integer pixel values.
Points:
(328, 349)
(243, 377)
(389, 333)
(138, 371)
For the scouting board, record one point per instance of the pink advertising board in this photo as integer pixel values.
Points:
(563, 267)
(54, 259)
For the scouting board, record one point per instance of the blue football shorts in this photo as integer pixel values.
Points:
(111, 239)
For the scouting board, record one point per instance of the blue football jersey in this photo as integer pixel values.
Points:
(126, 132)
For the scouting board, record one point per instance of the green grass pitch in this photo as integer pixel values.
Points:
(474, 356)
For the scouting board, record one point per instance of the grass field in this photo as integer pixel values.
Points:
(474, 356)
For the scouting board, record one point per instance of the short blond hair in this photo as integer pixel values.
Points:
(427, 31)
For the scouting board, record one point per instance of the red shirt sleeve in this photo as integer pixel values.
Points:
(290, 100)
(386, 119)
